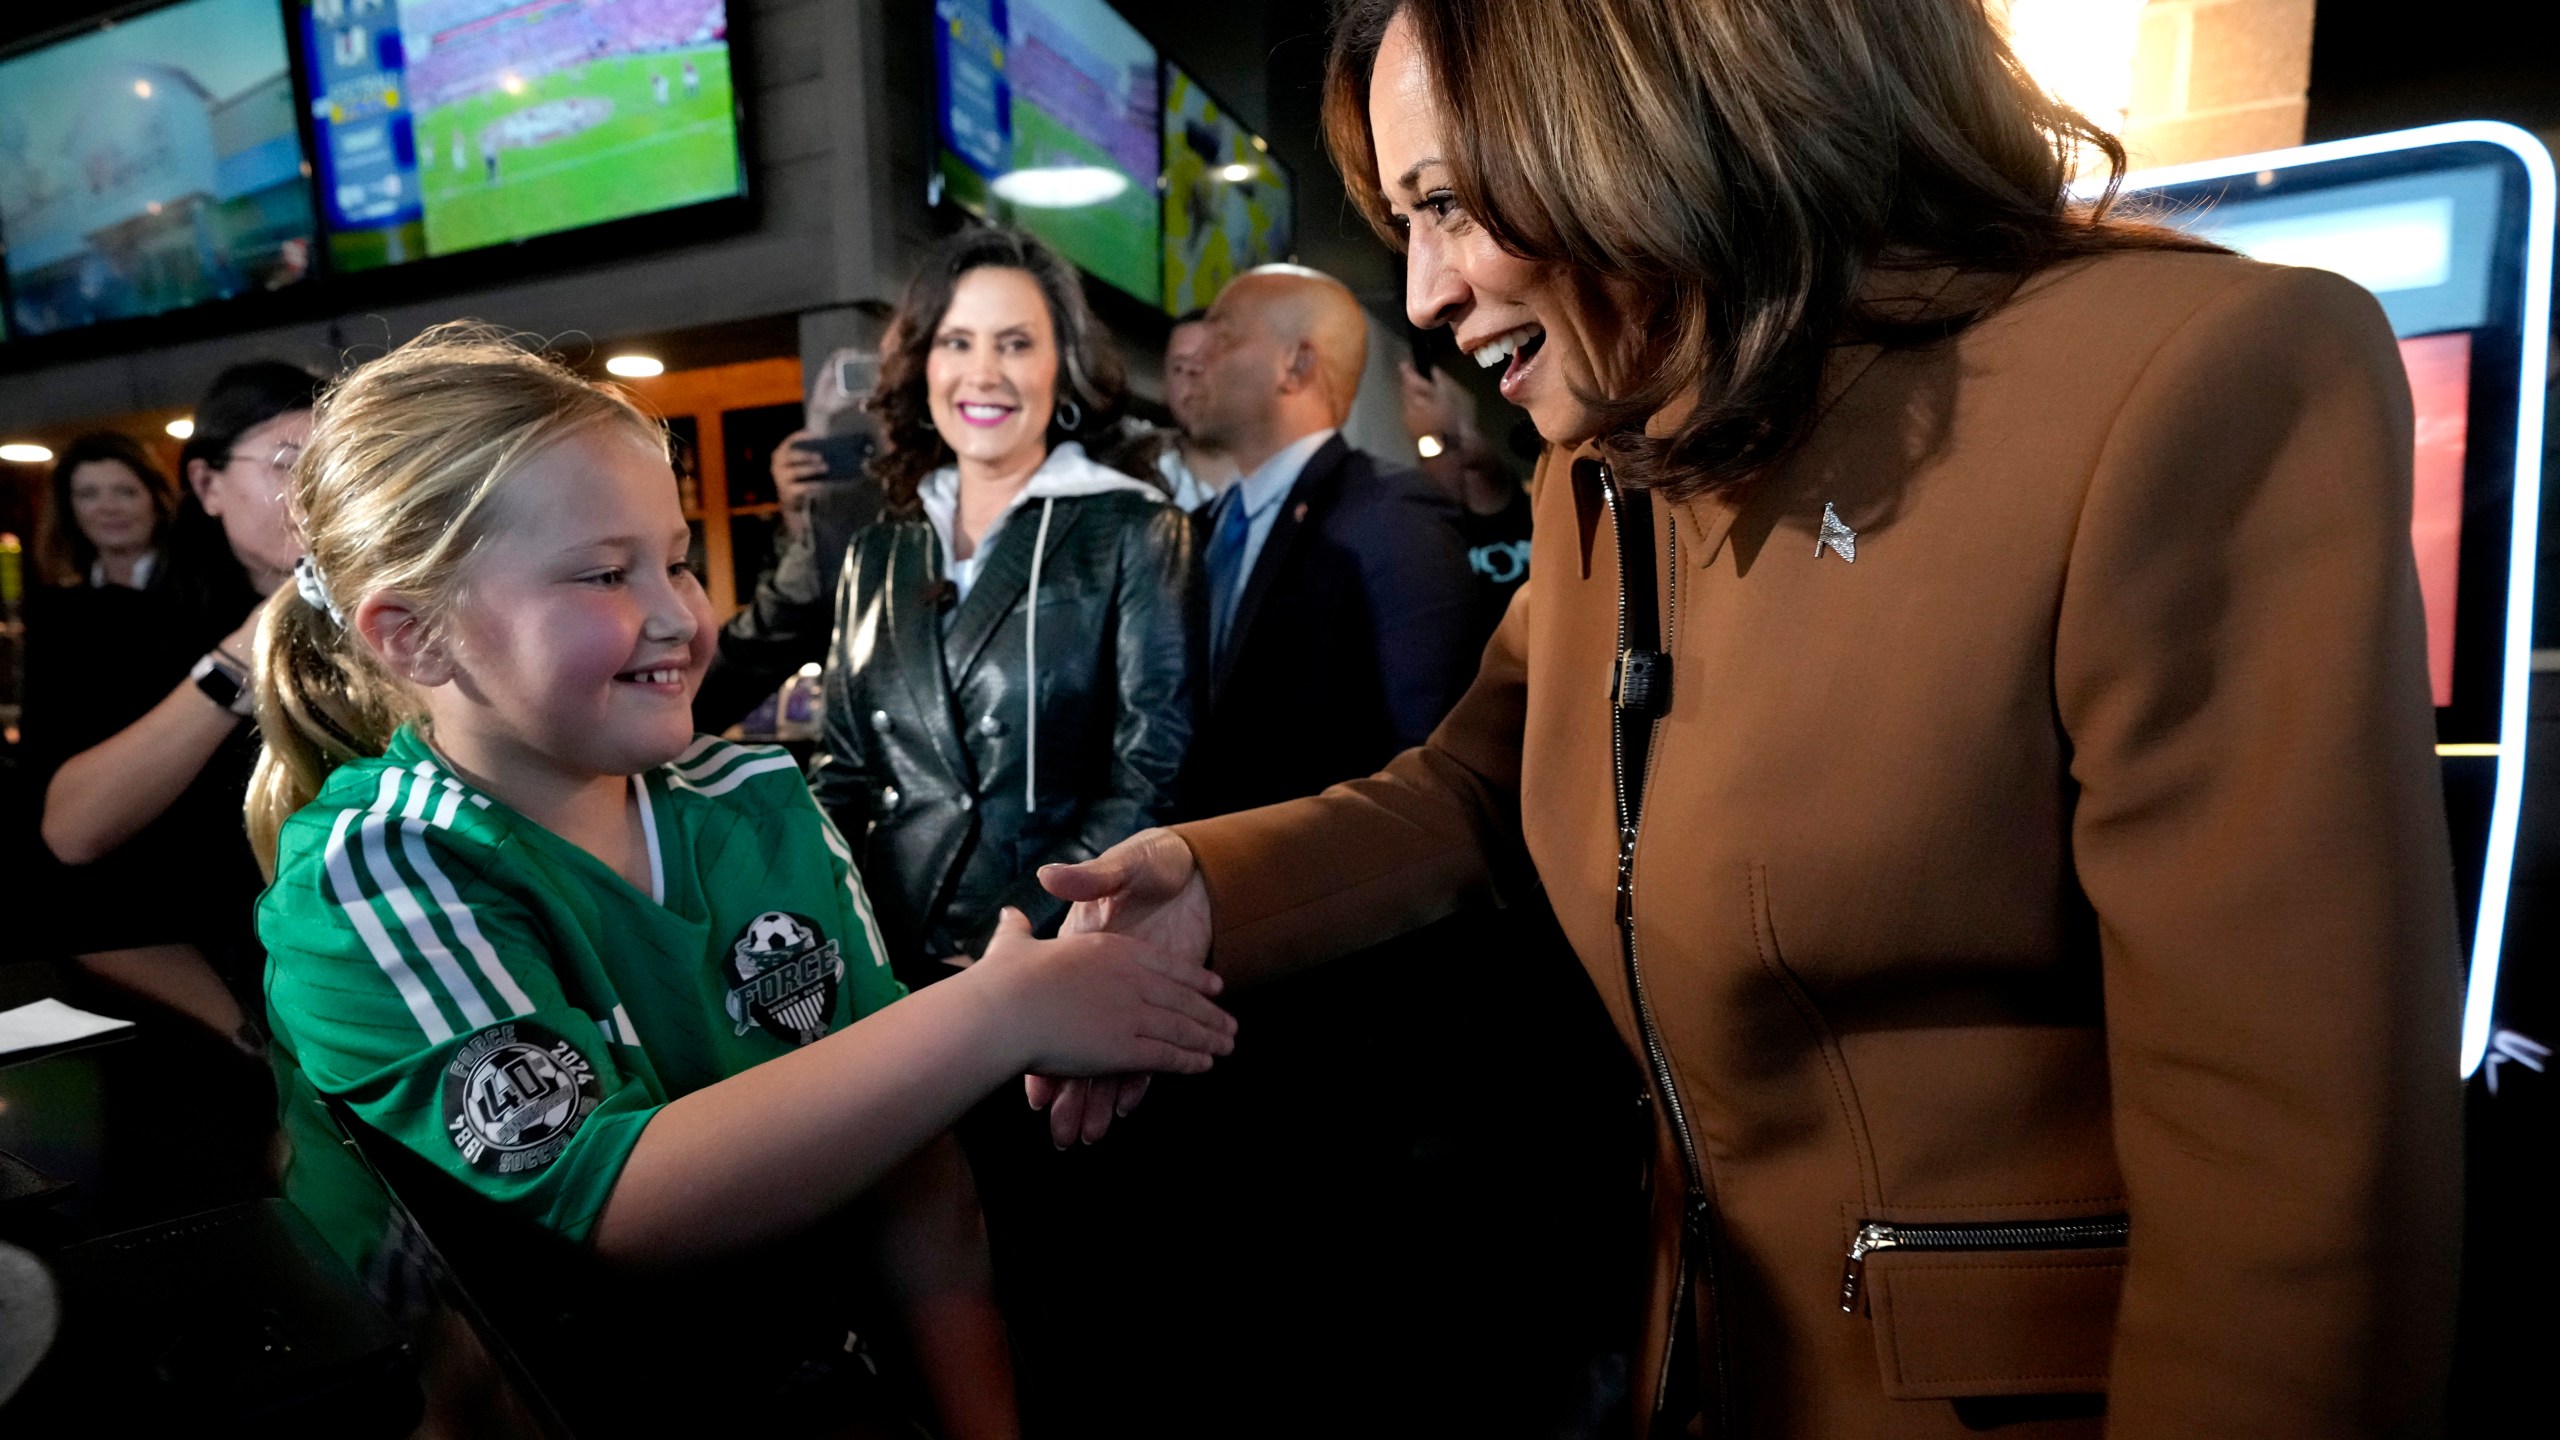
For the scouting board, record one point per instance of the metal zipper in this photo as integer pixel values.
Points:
(1696, 1214)
(2095, 1233)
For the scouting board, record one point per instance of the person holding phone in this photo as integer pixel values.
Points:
(818, 472)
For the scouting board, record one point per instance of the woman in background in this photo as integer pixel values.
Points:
(108, 514)
(1011, 683)
(137, 709)
(1971, 719)
(1011, 686)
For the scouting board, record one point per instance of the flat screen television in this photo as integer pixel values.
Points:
(1226, 196)
(151, 165)
(2450, 227)
(1047, 119)
(444, 126)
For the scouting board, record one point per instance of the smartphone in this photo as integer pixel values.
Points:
(857, 372)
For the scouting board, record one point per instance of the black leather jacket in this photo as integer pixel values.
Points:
(926, 776)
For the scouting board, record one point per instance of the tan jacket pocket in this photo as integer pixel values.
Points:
(2024, 1322)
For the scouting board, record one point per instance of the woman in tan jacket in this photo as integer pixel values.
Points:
(1998, 805)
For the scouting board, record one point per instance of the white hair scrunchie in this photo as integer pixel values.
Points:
(314, 590)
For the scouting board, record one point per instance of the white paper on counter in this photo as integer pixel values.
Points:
(50, 1022)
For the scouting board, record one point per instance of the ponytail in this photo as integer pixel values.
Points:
(322, 701)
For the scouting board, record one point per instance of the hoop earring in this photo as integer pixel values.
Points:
(1067, 415)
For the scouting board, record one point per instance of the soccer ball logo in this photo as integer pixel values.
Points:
(783, 974)
(772, 933)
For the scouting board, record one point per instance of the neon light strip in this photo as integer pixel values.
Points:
(2473, 752)
(2479, 1005)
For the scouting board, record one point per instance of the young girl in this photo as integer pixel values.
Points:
(616, 979)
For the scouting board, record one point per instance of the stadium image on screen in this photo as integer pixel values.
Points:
(1226, 201)
(151, 166)
(1048, 121)
(448, 125)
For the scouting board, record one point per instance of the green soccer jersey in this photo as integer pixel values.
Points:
(506, 1005)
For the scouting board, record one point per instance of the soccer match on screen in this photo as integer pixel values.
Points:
(449, 125)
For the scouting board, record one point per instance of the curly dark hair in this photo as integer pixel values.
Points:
(1089, 370)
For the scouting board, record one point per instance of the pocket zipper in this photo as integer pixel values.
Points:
(2095, 1233)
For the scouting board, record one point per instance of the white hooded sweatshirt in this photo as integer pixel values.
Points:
(1065, 475)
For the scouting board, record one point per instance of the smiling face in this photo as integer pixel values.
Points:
(579, 634)
(1504, 311)
(991, 378)
(113, 507)
(247, 494)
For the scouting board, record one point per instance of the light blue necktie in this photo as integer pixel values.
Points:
(1226, 567)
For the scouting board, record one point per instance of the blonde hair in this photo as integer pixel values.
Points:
(393, 493)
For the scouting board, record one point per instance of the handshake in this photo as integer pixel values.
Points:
(1145, 889)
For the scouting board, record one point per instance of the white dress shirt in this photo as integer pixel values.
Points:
(1261, 491)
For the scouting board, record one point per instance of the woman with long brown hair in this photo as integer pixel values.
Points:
(1996, 802)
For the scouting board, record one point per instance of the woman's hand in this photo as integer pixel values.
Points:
(1097, 1004)
(105, 795)
(1146, 887)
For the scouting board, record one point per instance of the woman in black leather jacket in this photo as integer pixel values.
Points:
(1006, 564)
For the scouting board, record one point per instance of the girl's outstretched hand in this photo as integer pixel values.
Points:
(1098, 1004)
(1146, 886)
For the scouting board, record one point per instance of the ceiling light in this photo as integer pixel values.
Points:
(25, 453)
(1235, 174)
(635, 367)
(1060, 187)
(182, 428)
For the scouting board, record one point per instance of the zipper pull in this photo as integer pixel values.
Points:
(1872, 1236)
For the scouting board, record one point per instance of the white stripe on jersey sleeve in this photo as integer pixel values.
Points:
(395, 893)
(736, 777)
(649, 837)
(430, 780)
(368, 926)
(420, 793)
(622, 1019)
(719, 756)
(853, 886)
(466, 927)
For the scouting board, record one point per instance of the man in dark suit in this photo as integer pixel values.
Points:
(1342, 623)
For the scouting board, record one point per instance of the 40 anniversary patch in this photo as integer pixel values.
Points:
(514, 1094)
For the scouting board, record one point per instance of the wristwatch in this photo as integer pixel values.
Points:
(222, 684)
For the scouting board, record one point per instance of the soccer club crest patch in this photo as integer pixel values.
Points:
(514, 1094)
(783, 975)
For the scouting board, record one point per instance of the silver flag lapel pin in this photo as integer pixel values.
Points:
(1839, 538)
